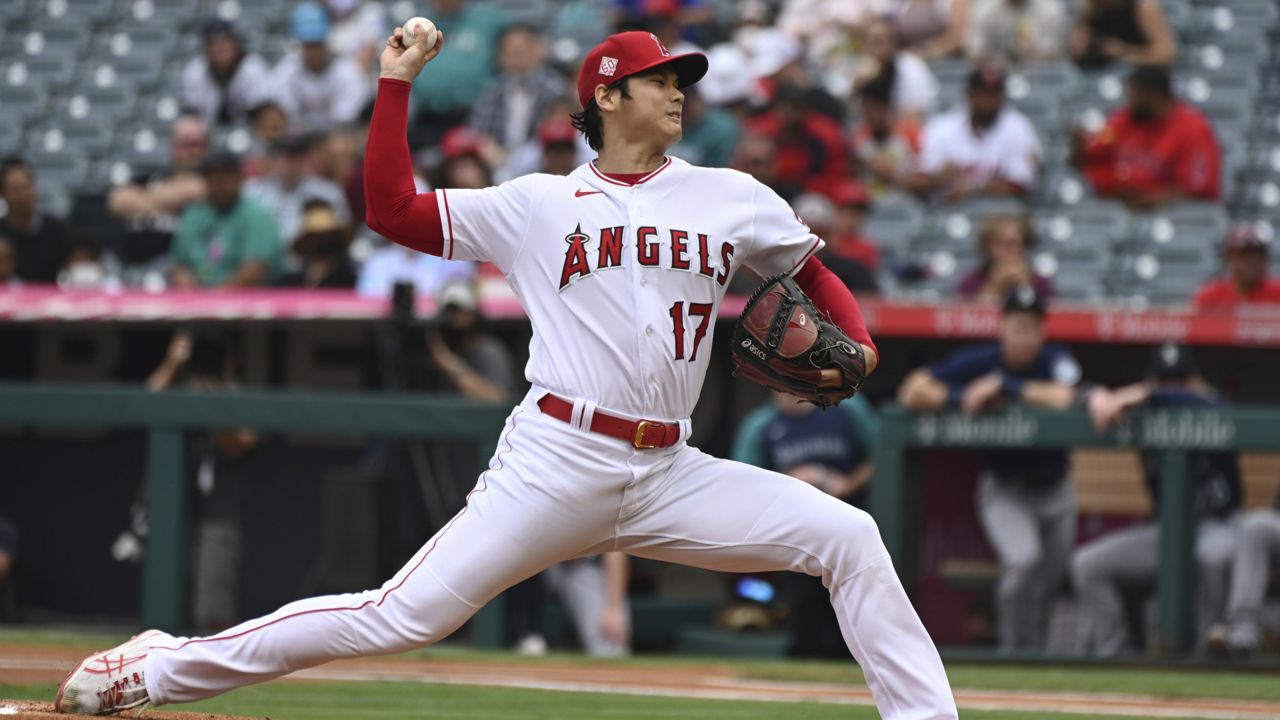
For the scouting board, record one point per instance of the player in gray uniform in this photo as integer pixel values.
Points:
(1128, 558)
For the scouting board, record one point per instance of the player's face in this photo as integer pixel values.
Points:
(656, 108)
(1021, 337)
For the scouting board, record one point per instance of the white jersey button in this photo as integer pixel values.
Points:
(648, 330)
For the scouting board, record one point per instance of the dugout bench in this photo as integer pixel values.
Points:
(1174, 432)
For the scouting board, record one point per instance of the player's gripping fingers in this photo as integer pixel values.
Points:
(404, 62)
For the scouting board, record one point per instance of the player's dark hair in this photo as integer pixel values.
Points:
(590, 123)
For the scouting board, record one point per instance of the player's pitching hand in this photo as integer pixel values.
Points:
(401, 62)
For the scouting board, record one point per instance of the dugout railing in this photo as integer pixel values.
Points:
(896, 493)
(168, 416)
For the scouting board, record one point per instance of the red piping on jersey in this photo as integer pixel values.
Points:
(393, 207)
(367, 603)
(607, 177)
(812, 249)
(445, 194)
(834, 299)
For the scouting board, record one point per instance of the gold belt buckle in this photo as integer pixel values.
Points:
(638, 442)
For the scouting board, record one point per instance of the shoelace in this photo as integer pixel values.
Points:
(113, 696)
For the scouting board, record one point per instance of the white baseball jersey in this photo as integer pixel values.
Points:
(623, 282)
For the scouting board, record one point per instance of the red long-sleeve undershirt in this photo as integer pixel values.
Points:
(396, 211)
(393, 207)
(833, 298)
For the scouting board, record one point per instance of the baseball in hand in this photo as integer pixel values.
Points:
(420, 25)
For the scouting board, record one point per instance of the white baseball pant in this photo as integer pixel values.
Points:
(554, 491)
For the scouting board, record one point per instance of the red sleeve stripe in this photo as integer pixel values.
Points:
(812, 249)
(445, 194)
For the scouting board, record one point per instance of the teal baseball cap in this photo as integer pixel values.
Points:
(309, 23)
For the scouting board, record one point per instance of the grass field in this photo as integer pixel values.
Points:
(396, 700)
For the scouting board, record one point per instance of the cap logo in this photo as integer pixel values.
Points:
(661, 48)
(608, 66)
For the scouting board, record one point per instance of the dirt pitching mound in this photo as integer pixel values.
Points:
(44, 711)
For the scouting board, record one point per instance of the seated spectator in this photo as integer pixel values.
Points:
(322, 245)
(357, 29)
(1010, 33)
(1246, 282)
(392, 264)
(847, 239)
(675, 22)
(473, 362)
(41, 242)
(1003, 243)
(512, 103)
(933, 28)
(809, 19)
(810, 153)
(710, 133)
(464, 161)
(267, 124)
(594, 591)
(529, 157)
(833, 451)
(149, 206)
(886, 144)
(447, 88)
(1025, 498)
(224, 83)
(818, 212)
(226, 240)
(983, 148)
(1155, 150)
(290, 181)
(559, 146)
(1130, 557)
(913, 89)
(85, 269)
(1129, 31)
(316, 89)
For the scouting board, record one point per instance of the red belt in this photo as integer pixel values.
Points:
(642, 434)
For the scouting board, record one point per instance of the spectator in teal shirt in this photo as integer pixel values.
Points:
(227, 240)
(451, 84)
(710, 133)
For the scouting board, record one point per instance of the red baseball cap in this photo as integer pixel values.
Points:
(625, 54)
(1244, 236)
(557, 130)
(459, 141)
(850, 192)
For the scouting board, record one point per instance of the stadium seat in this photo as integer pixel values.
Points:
(167, 14)
(62, 167)
(91, 136)
(1182, 229)
(1144, 278)
(10, 138)
(1091, 223)
(1060, 80)
(13, 10)
(894, 221)
(72, 11)
(943, 270)
(145, 149)
(1065, 187)
(115, 100)
(50, 70)
(956, 228)
(19, 102)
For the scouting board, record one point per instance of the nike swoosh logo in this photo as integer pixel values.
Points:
(584, 193)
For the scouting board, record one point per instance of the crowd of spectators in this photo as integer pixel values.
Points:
(813, 97)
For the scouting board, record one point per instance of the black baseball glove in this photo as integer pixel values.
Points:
(782, 342)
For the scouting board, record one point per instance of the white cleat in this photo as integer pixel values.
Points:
(109, 681)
